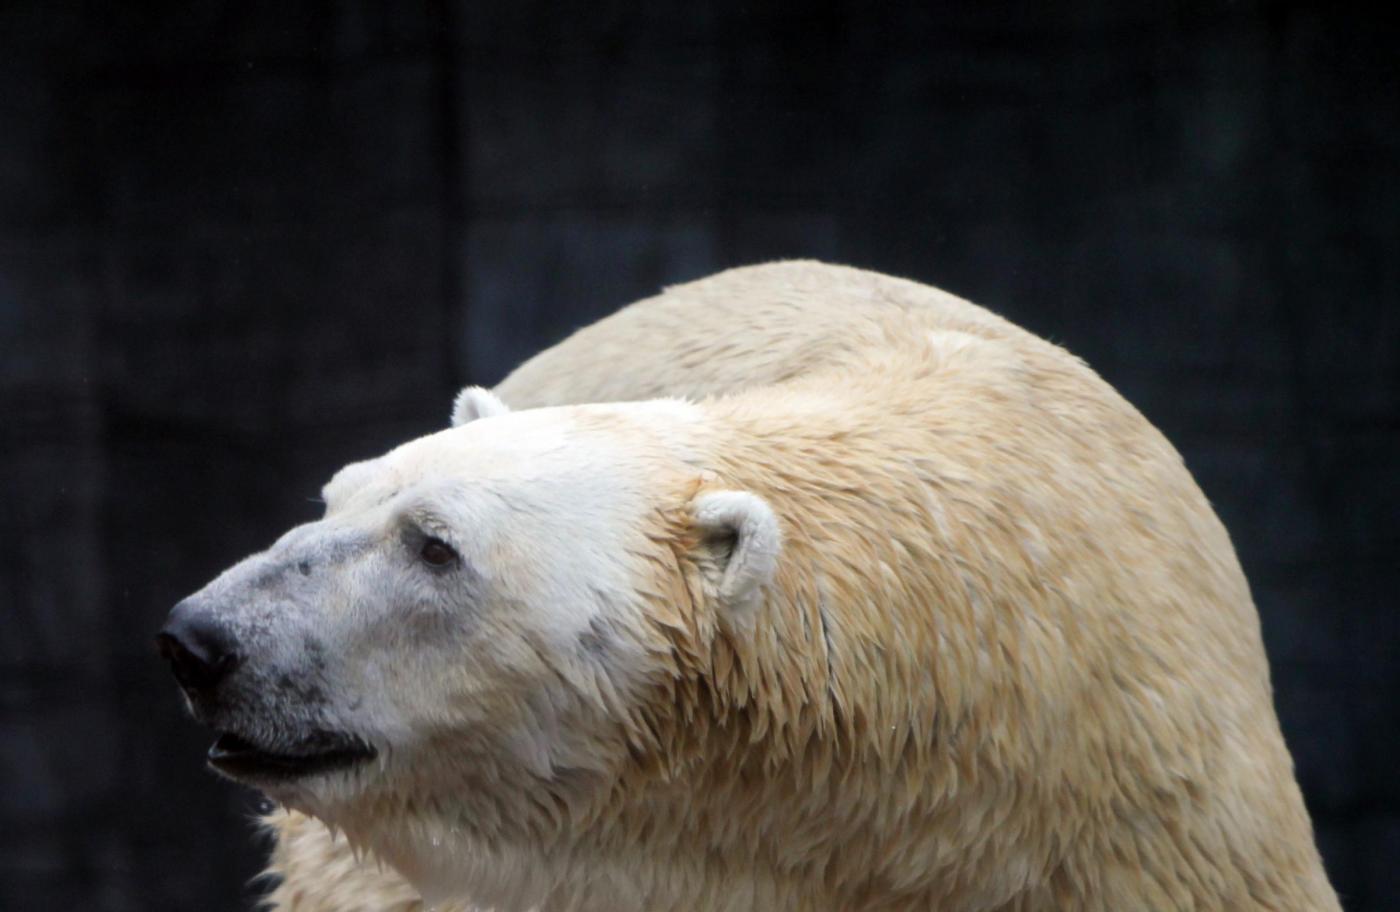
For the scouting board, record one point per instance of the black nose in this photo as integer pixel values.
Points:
(199, 648)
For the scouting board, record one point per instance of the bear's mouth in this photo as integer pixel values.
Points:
(324, 752)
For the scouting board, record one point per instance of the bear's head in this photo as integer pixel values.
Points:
(478, 612)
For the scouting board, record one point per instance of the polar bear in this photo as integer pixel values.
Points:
(894, 606)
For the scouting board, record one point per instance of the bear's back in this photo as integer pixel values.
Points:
(743, 328)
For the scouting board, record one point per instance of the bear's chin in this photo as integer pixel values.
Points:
(239, 759)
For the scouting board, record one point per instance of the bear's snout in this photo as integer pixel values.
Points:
(200, 648)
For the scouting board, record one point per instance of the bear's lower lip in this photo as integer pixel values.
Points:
(324, 752)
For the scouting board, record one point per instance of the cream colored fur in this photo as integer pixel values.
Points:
(1007, 658)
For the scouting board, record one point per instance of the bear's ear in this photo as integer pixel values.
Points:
(743, 539)
(474, 402)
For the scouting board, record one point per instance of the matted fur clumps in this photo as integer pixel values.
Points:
(1007, 659)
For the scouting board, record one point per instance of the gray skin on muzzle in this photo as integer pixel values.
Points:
(250, 651)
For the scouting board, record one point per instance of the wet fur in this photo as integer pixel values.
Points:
(1009, 660)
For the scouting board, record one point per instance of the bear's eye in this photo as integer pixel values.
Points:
(436, 552)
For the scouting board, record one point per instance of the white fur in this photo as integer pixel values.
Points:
(918, 719)
(757, 543)
(474, 402)
(545, 515)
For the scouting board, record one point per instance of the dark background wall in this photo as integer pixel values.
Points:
(244, 243)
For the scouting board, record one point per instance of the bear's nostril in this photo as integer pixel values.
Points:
(200, 650)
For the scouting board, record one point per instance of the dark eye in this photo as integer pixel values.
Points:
(436, 552)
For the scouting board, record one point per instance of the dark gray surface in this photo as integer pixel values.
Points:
(242, 244)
